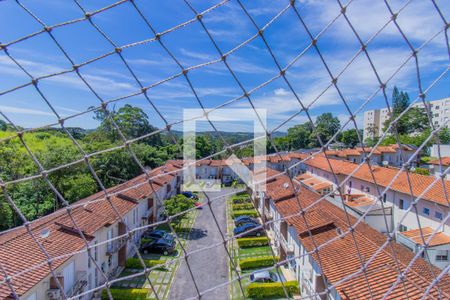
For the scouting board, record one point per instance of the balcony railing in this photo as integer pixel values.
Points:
(268, 215)
(288, 247)
(79, 285)
(114, 246)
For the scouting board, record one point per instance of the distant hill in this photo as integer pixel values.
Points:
(236, 137)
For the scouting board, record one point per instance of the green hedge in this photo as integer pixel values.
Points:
(242, 206)
(242, 193)
(272, 290)
(135, 263)
(257, 262)
(253, 242)
(250, 212)
(126, 294)
(241, 199)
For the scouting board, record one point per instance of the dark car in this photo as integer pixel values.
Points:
(241, 220)
(228, 182)
(245, 230)
(157, 234)
(163, 246)
(189, 195)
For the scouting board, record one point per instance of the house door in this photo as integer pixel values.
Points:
(123, 250)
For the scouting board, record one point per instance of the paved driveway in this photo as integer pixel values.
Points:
(209, 267)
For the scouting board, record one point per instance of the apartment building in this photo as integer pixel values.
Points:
(136, 203)
(321, 252)
(374, 119)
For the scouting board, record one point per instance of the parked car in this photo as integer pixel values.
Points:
(162, 245)
(157, 234)
(245, 230)
(228, 182)
(241, 220)
(264, 276)
(189, 195)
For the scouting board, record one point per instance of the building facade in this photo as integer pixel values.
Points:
(374, 119)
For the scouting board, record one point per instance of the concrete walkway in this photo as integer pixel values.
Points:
(209, 267)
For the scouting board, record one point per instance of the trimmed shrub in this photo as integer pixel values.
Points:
(241, 199)
(251, 213)
(253, 242)
(257, 262)
(242, 206)
(126, 294)
(242, 194)
(272, 290)
(135, 263)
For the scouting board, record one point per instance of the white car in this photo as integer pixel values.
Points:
(264, 276)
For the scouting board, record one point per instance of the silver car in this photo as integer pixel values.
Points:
(264, 276)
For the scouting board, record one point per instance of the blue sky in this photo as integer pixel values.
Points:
(229, 26)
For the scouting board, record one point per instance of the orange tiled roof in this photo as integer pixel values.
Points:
(341, 257)
(18, 251)
(445, 161)
(361, 201)
(415, 235)
(383, 177)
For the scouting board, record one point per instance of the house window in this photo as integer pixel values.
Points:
(95, 251)
(442, 255)
(438, 215)
(384, 198)
(135, 216)
(402, 204)
(402, 228)
(426, 211)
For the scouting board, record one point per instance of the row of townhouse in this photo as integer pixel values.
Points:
(392, 155)
(136, 203)
(383, 197)
(327, 259)
(439, 166)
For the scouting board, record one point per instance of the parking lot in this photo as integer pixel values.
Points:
(209, 267)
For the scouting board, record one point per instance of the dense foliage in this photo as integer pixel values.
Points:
(178, 204)
(257, 262)
(126, 294)
(135, 263)
(250, 212)
(272, 290)
(253, 242)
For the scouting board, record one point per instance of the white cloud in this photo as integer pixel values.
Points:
(24, 111)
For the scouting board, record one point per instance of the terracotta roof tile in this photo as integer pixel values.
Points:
(416, 235)
(18, 251)
(384, 176)
(445, 161)
(341, 258)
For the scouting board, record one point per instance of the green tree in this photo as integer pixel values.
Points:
(400, 101)
(299, 135)
(444, 136)
(325, 127)
(132, 122)
(178, 204)
(350, 138)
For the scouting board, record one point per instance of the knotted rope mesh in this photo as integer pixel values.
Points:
(269, 51)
